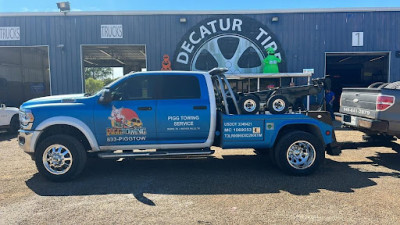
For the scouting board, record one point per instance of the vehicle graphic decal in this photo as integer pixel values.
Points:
(126, 124)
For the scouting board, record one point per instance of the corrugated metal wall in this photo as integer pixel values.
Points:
(305, 37)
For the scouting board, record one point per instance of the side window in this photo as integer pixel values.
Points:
(180, 87)
(136, 88)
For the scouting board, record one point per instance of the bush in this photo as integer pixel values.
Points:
(92, 86)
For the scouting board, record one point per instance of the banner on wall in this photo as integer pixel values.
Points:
(10, 33)
(239, 43)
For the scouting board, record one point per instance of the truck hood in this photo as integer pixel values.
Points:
(71, 98)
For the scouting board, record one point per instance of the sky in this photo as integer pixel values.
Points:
(151, 5)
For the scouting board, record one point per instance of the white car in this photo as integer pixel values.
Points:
(9, 118)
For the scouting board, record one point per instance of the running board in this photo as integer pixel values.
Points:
(111, 155)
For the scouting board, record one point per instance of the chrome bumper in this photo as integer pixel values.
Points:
(360, 122)
(27, 140)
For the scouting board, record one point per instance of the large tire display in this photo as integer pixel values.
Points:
(277, 104)
(60, 157)
(299, 153)
(235, 42)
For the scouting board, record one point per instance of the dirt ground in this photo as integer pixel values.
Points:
(361, 186)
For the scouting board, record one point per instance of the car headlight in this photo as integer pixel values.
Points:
(26, 118)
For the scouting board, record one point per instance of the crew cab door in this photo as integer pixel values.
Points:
(183, 112)
(130, 118)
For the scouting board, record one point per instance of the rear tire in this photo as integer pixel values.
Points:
(299, 153)
(60, 158)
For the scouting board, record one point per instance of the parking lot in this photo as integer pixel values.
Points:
(362, 186)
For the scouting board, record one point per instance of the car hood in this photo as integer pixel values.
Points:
(10, 109)
(71, 98)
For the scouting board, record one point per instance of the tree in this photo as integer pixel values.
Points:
(98, 73)
(92, 86)
(108, 80)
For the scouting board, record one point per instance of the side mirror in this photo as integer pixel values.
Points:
(3, 106)
(105, 97)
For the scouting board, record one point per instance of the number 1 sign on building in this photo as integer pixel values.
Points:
(358, 39)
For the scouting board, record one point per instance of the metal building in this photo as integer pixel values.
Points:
(46, 53)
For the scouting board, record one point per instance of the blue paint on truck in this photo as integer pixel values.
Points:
(260, 131)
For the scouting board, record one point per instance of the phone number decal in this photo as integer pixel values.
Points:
(125, 139)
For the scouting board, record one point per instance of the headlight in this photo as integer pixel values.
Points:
(26, 118)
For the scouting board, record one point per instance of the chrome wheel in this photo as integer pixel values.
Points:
(278, 105)
(57, 159)
(250, 105)
(301, 155)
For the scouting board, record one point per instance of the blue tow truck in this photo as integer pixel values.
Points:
(165, 114)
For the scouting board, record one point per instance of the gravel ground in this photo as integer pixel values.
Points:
(362, 186)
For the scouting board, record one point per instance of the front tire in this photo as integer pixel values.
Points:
(299, 153)
(60, 158)
(14, 125)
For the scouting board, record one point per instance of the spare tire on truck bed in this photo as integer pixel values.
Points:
(277, 104)
(249, 104)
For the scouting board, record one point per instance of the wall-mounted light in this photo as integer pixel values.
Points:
(182, 20)
(63, 7)
(275, 19)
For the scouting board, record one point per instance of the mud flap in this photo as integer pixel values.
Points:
(333, 148)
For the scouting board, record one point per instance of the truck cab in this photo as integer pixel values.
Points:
(164, 114)
(157, 110)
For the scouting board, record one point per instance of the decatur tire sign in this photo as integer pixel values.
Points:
(236, 42)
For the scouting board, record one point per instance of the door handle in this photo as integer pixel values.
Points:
(200, 107)
(145, 108)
